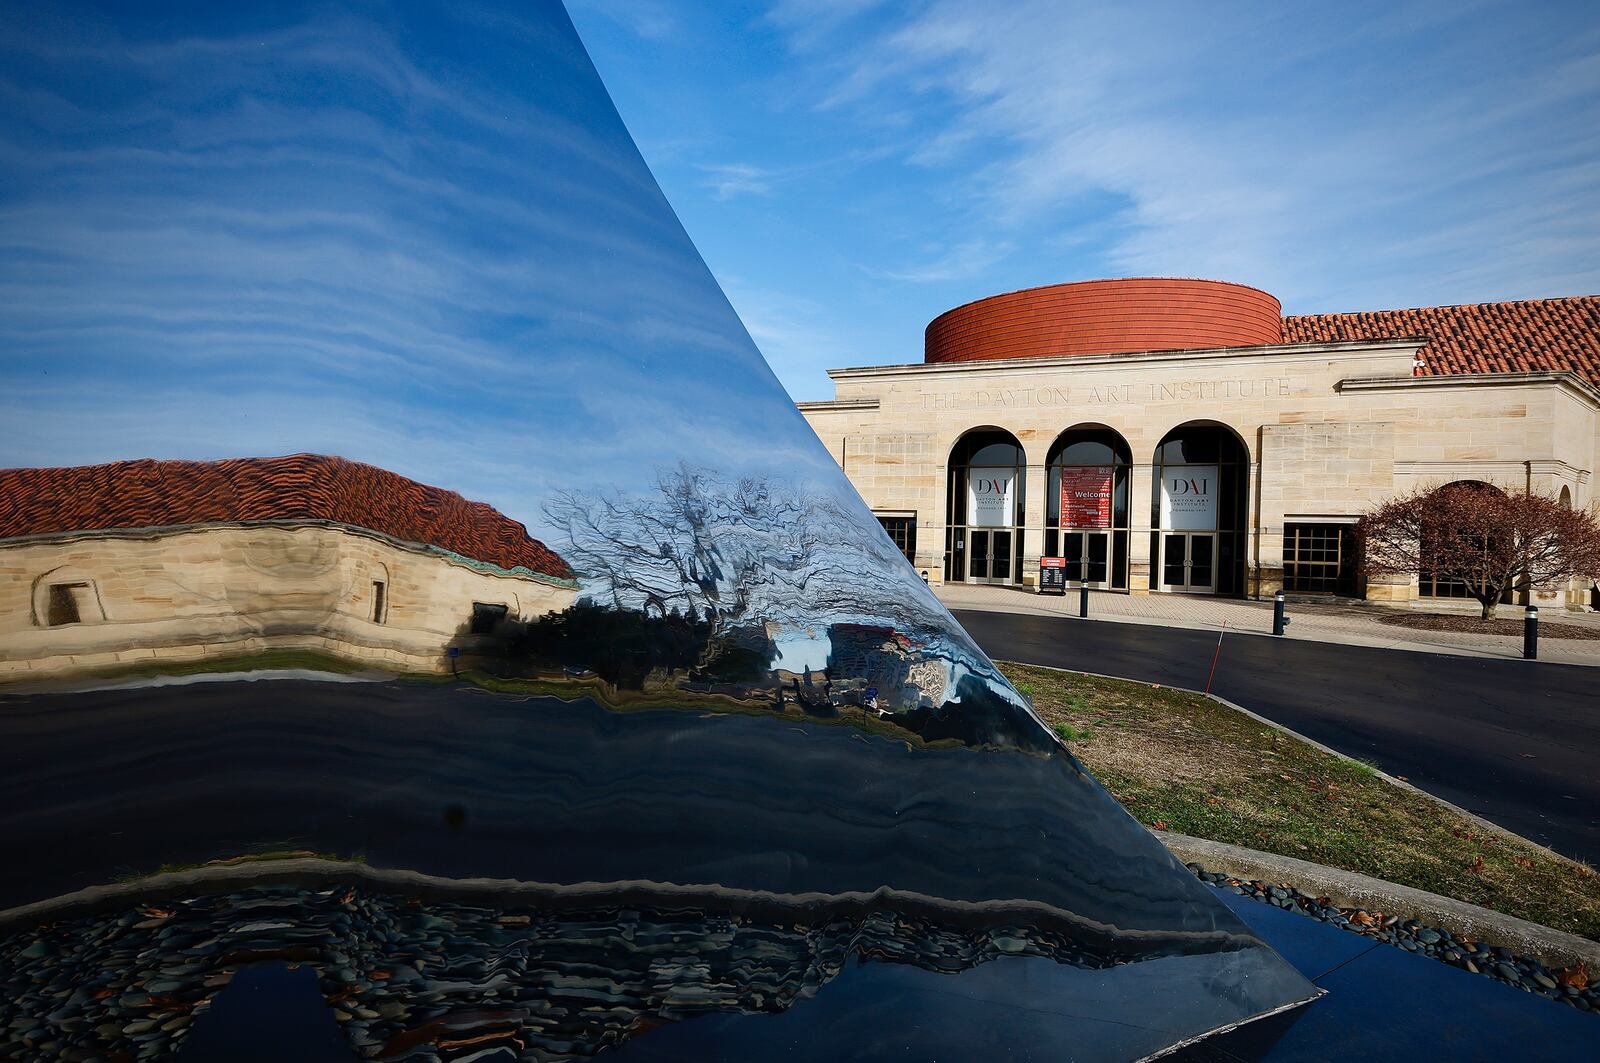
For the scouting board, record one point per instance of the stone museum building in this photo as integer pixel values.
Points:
(1183, 436)
(116, 565)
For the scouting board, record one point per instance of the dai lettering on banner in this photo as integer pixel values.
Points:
(1189, 498)
(991, 498)
(1086, 497)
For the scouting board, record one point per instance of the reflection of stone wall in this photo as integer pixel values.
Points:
(70, 603)
(881, 657)
(929, 679)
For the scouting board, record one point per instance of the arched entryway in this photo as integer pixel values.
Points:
(983, 543)
(1198, 508)
(1086, 505)
(1437, 585)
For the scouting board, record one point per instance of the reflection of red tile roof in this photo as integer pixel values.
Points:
(1519, 337)
(873, 631)
(309, 487)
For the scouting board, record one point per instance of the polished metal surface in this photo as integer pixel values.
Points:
(411, 571)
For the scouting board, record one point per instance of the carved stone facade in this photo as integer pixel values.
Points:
(1328, 429)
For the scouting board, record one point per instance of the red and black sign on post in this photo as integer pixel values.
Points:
(1052, 575)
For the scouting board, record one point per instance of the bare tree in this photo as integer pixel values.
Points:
(1483, 538)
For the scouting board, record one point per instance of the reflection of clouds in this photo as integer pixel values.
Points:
(296, 238)
(96, 422)
(261, 239)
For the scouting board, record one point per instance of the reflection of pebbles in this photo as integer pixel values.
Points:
(449, 981)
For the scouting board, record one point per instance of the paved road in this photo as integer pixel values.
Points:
(1516, 742)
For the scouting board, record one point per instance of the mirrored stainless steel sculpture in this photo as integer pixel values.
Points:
(411, 572)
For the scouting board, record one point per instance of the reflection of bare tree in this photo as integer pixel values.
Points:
(738, 553)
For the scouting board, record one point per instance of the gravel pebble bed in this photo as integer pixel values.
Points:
(1569, 985)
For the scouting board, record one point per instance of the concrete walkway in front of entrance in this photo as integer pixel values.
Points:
(1350, 624)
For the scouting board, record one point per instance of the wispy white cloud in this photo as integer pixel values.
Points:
(1340, 158)
(477, 286)
(736, 179)
(792, 330)
(810, 21)
(651, 19)
(961, 262)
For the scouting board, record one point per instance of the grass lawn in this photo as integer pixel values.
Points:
(1181, 762)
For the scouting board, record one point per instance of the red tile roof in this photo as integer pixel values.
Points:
(1517, 337)
(309, 487)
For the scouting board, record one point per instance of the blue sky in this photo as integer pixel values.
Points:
(422, 239)
(849, 169)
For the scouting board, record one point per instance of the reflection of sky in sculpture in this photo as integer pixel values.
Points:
(426, 242)
(236, 233)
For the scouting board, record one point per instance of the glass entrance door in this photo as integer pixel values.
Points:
(989, 555)
(1189, 562)
(1088, 556)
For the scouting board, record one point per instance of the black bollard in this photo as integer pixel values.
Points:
(1083, 599)
(1530, 634)
(1278, 619)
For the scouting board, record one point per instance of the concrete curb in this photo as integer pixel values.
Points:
(1553, 948)
(1326, 637)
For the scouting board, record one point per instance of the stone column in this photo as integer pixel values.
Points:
(1266, 562)
(1263, 542)
(1141, 481)
(1037, 479)
(933, 516)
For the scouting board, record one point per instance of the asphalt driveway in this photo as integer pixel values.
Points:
(1516, 742)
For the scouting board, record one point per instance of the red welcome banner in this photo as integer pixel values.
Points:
(1086, 497)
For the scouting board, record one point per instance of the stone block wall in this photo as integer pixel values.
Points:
(1331, 430)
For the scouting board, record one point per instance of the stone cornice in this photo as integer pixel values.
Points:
(836, 405)
(1286, 351)
(1560, 378)
(1519, 466)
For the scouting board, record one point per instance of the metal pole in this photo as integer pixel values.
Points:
(1530, 634)
(1277, 613)
(1083, 585)
(1215, 656)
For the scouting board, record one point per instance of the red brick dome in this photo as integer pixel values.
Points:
(1104, 317)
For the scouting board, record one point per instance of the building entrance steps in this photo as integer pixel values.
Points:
(1350, 624)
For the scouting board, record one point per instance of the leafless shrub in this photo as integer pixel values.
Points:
(1482, 537)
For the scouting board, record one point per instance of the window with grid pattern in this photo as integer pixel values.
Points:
(1433, 585)
(903, 530)
(1316, 558)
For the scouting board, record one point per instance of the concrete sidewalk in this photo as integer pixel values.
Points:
(1343, 623)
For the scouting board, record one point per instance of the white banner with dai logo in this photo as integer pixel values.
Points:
(1189, 498)
(991, 498)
